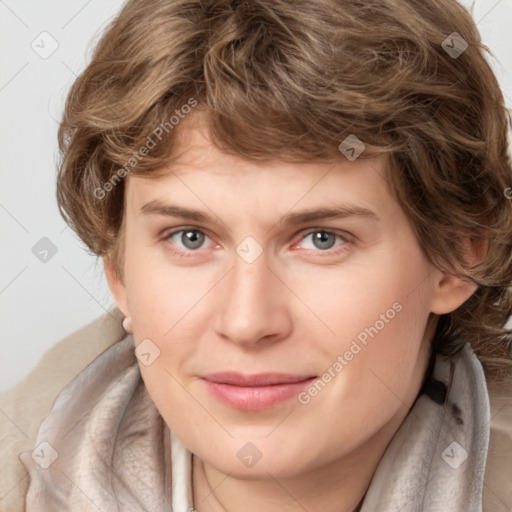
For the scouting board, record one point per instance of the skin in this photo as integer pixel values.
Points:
(294, 309)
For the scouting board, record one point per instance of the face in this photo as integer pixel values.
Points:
(227, 268)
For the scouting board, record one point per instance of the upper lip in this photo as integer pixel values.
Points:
(259, 379)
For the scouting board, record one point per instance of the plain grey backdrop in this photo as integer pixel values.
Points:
(49, 285)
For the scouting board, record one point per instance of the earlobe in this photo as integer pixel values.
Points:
(450, 293)
(116, 285)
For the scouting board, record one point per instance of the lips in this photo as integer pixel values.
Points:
(259, 379)
(254, 392)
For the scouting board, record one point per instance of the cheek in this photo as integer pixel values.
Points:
(161, 296)
(386, 291)
(377, 315)
(374, 369)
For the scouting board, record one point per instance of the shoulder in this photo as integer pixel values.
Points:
(23, 408)
(497, 491)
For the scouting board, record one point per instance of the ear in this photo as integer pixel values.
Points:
(116, 285)
(451, 291)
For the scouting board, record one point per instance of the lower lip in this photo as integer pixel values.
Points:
(255, 398)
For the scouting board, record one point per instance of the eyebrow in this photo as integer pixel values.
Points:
(337, 212)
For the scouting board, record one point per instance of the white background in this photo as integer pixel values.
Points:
(40, 303)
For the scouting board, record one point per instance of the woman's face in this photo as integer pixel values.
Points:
(255, 277)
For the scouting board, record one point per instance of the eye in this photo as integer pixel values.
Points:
(189, 238)
(323, 240)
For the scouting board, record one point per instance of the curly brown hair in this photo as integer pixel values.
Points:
(292, 79)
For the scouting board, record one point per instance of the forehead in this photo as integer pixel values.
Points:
(202, 175)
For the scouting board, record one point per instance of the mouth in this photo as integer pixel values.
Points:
(255, 392)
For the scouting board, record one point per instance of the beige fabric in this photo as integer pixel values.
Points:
(24, 407)
(497, 491)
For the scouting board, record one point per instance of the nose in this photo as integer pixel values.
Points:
(253, 304)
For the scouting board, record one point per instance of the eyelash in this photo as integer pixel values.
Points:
(328, 252)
